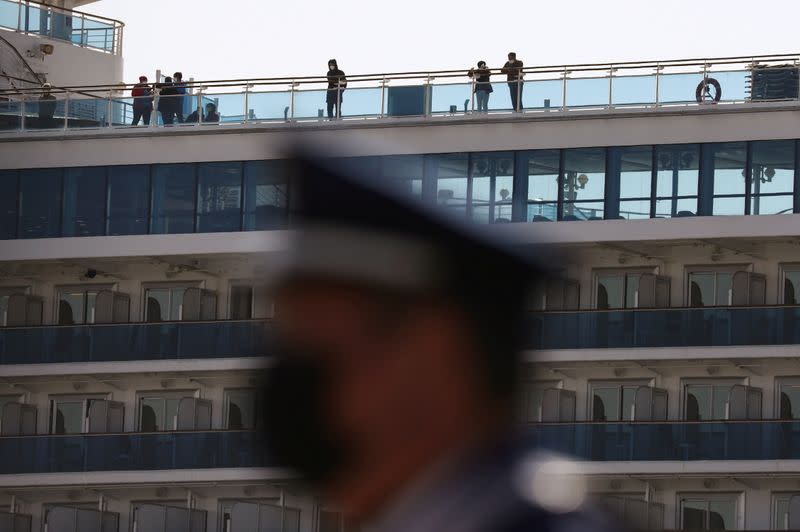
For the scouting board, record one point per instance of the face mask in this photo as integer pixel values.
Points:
(294, 418)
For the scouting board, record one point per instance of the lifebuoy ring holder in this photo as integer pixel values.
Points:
(702, 90)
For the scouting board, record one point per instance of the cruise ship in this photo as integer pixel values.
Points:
(134, 316)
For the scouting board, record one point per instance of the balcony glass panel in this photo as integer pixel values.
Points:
(128, 199)
(678, 88)
(734, 84)
(361, 102)
(270, 104)
(633, 90)
(540, 93)
(122, 110)
(86, 112)
(140, 341)
(499, 98)
(219, 197)
(44, 112)
(10, 112)
(84, 201)
(230, 107)
(9, 14)
(173, 198)
(9, 194)
(587, 92)
(266, 195)
(40, 203)
(451, 98)
(772, 177)
(310, 104)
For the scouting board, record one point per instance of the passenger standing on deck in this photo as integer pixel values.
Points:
(483, 87)
(336, 85)
(513, 71)
(167, 101)
(180, 89)
(142, 101)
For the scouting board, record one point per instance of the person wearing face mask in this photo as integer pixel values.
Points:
(337, 82)
(392, 383)
(483, 85)
(513, 71)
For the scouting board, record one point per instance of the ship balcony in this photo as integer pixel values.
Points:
(133, 342)
(596, 442)
(132, 452)
(75, 27)
(669, 327)
(545, 91)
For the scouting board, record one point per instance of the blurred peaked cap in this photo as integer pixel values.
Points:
(351, 225)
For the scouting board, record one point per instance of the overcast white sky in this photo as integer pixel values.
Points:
(212, 39)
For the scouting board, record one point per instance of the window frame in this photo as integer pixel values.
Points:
(233, 283)
(163, 394)
(706, 381)
(620, 384)
(527, 385)
(625, 272)
(738, 498)
(775, 498)
(658, 149)
(85, 289)
(710, 268)
(169, 285)
(226, 404)
(52, 401)
(8, 291)
(783, 268)
(779, 383)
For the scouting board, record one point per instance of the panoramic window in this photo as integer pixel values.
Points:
(173, 198)
(772, 177)
(404, 172)
(265, 196)
(543, 180)
(635, 179)
(730, 160)
(9, 194)
(677, 176)
(84, 201)
(219, 197)
(40, 203)
(583, 178)
(451, 175)
(492, 187)
(128, 199)
(76, 305)
(709, 511)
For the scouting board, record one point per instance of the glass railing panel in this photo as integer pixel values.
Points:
(541, 93)
(678, 88)
(269, 105)
(230, 107)
(633, 90)
(132, 452)
(719, 326)
(35, 20)
(9, 14)
(44, 113)
(678, 441)
(450, 98)
(122, 110)
(587, 92)
(169, 107)
(10, 115)
(734, 84)
(499, 98)
(310, 104)
(98, 34)
(85, 112)
(361, 102)
(133, 341)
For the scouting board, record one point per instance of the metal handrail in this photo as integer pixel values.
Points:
(459, 73)
(71, 11)
(656, 309)
(132, 433)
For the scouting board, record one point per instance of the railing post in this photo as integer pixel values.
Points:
(610, 86)
(22, 112)
(110, 109)
(199, 105)
(66, 109)
(472, 95)
(564, 90)
(383, 96)
(519, 92)
(291, 100)
(246, 102)
(658, 85)
(84, 35)
(19, 17)
(427, 110)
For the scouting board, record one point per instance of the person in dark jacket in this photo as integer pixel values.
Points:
(47, 107)
(483, 85)
(336, 85)
(513, 71)
(211, 113)
(180, 87)
(142, 101)
(167, 101)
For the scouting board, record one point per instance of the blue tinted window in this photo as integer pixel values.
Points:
(450, 172)
(584, 178)
(219, 197)
(265, 195)
(772, 177)
(40, 203)
(730, 160)
(173, 198)
(404, 172)
(677, 175)
(492, 187)
(9, 195)
(635, 167)
(84, 201)
(543, 169)
(128, 199)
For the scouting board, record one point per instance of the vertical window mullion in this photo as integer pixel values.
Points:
(748, 176)
(519, 198)
(468, 210)
(796, 194)
(653, 182)
(241, 195)
(195, 196)
(560, 206)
